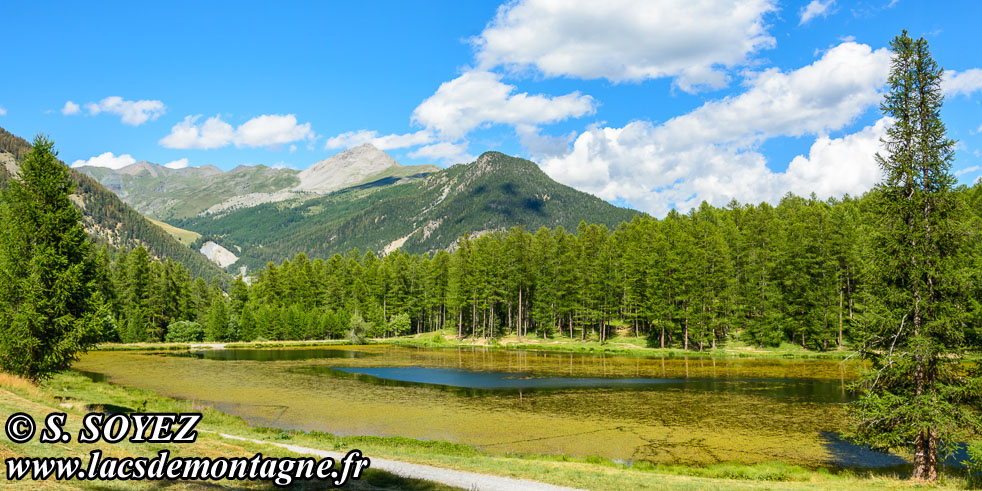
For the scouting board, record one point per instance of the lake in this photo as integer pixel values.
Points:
(663, 410)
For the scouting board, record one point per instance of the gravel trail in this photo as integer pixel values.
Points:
(460, 479)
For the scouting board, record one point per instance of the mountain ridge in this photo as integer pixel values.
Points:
(167, 194)
(494, 192)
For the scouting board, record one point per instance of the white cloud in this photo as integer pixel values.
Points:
(835, 166)
(451, 153)
(131, 112)
(70, 108)
(711, 153)
(3, 112)
(213, 133)
(177, 164)
(478, 98)
(353, 139)
(627, 40)
(815, 8)
(261, 131)
(963, 83)
(107, 160)
(823, 96)
(273, 129)
(967, 170)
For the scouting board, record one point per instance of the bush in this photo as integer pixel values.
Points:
(400, 324)
(357, 328)
(185, 332)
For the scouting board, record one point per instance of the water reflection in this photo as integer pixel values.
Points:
(482, 382)
(269, 354)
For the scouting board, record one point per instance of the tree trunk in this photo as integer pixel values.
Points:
(840, 316)
(926, 457)
(519, 313)
(685, 334)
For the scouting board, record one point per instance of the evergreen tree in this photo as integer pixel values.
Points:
(217, 320)
(916, 395)
(48, 310)
(137, 294)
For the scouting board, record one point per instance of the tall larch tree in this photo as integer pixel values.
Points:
(916, 395)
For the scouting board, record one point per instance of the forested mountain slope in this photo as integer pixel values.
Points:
(495, 192)
(167, 194)
(107, 219)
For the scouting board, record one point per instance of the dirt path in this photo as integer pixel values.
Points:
(460, 479)
(208, 345)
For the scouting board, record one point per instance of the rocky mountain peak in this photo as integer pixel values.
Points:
(345, 169)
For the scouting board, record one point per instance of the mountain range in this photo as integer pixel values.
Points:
(167, 194)
(361, 199)
(429, 213)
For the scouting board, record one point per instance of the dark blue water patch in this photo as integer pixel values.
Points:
(496, 380)
(485, 382)
(848, 454)
(269, 354)
(845, 453)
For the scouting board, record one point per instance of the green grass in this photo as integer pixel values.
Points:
(76, 395)
(186, 237)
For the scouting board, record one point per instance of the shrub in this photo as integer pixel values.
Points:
(185, 332)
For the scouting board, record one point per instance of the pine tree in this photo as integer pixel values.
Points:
(916, 396)
(137, 294)
(48, 312)
(216, 323)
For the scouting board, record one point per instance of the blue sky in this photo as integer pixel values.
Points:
(650, 104)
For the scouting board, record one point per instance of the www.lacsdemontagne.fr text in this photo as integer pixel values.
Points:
(281, 471)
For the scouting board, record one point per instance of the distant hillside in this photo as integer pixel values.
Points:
(495, 192)
(168, 194)
(107, 219)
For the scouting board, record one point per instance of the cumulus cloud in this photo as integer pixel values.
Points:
(823, 96)
(968, 170)
(961, 83)
(177, 164)
(711, 153)
(70, 108)
(213, 133)
(627, 40)
(273, 129)
(450, 153)
(107, 160)
(837, 166)
(352, 139)
(815, 8)
(261, 131)
(132, 113)
(479, 98)
(3, 112)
